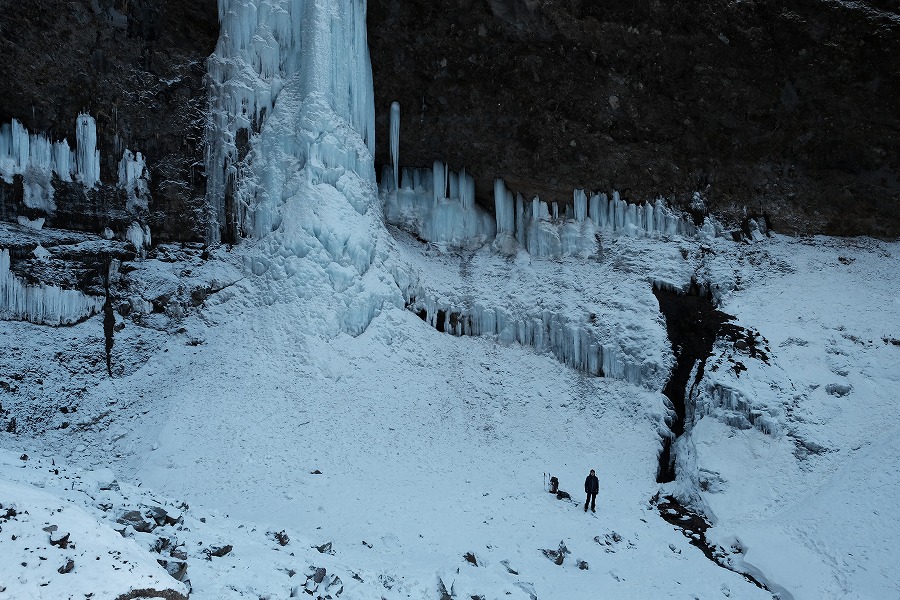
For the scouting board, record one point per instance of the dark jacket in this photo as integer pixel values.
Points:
(591, 485)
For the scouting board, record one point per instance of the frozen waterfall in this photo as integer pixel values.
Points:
(319, 50)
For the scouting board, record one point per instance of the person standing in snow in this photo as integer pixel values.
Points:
(591, 488)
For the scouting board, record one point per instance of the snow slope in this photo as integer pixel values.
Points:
(281, 420)
(431, 446)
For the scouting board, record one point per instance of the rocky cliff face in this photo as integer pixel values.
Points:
(764, 108)
(787, 110)
(137, 66)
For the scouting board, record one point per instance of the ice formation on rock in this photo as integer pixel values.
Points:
(45, 304)
(319, 50)
(134, 178)
(139, 236)
(545, 234)
(36, 224)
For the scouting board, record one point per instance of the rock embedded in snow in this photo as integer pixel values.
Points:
(67, 567)
(838, 389)
(217, 551)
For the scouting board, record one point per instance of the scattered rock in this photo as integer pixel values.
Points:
(609, 540)
(325, 548)
(59, 539)
(67, 568)
(137, 521)
(838, 389)
(110, 486)
(159, 515)
(320, 586)
(528, 588)
(582, 564)
(442, 591)
(178, 553)
(470, 557)
(217, 551)
(177, 569)
(281, 537)
(509, 569)
(557, 556)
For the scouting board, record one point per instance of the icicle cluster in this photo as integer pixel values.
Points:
(577, 345)
(36, 158)
(438, 205)
(449, 215)
(264, 44)
(45, 304)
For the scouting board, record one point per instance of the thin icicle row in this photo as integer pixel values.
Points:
(577, 345)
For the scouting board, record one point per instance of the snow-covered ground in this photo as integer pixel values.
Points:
(430, 446)
(276, 419)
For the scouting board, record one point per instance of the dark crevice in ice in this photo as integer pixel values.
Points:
(693, 324)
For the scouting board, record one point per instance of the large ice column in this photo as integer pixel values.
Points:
(395, 142)
(318, 50)
(580, 199)
(45, 304)
(87, 158)
(505, 207)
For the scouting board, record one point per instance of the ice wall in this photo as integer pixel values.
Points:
(438, 205)
(36, 158)
(45, 304)
(318, 49)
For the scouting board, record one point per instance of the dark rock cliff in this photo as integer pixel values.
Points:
(787, 110)
(137, 66)
(766, 107)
